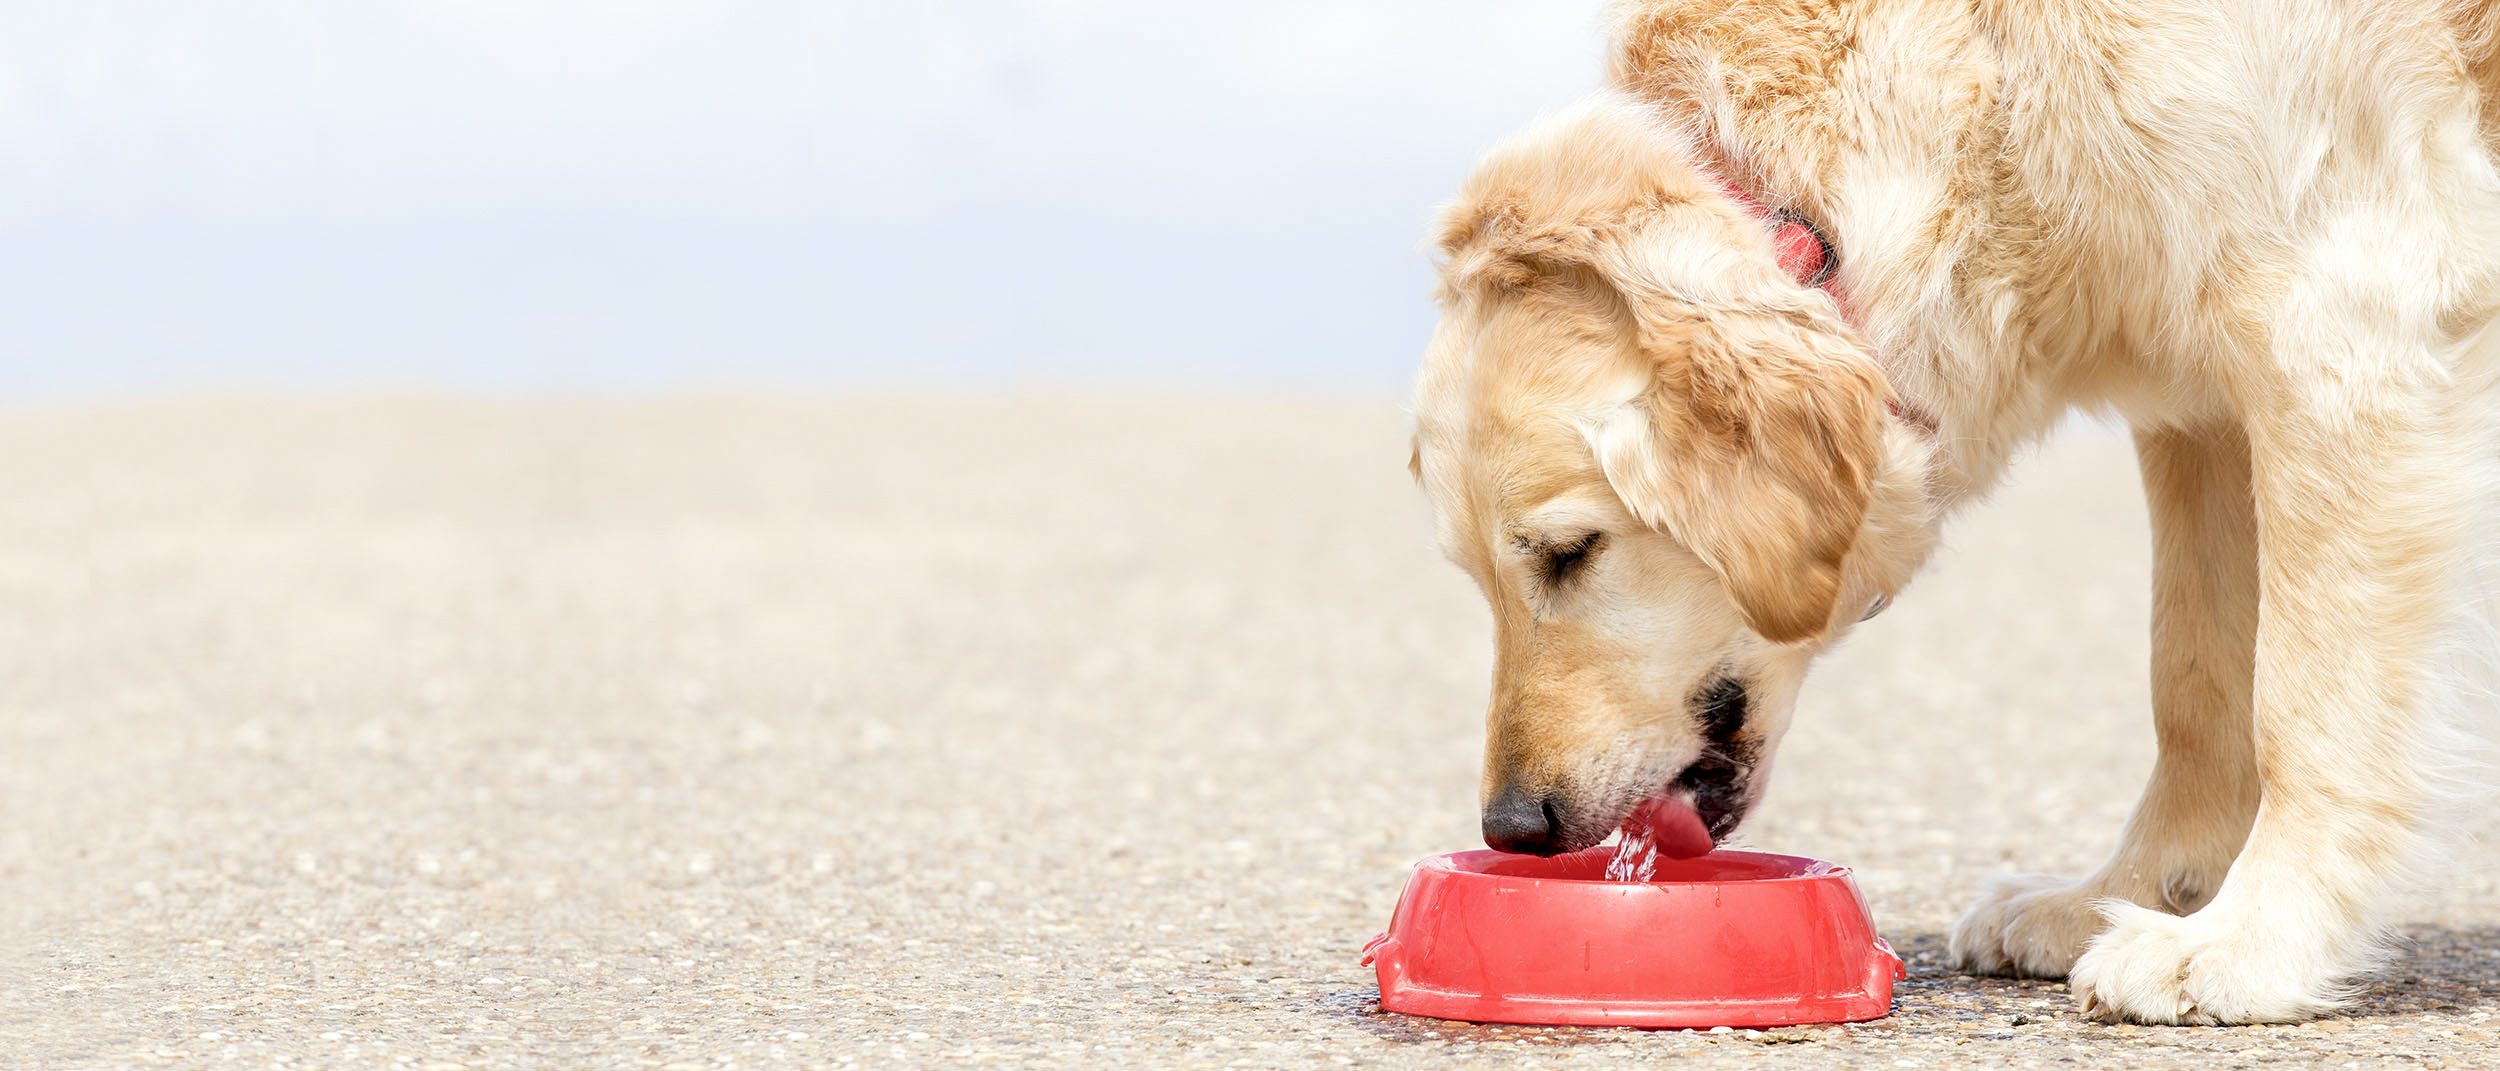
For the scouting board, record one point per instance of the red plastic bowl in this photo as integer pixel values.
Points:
(1725, 939)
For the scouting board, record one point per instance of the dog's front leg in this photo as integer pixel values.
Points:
(2356, 458)
(2197, 807)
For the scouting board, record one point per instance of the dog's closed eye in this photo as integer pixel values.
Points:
(1566, 560)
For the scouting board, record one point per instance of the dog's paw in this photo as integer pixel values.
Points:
(2201, 970)
(2032, 925)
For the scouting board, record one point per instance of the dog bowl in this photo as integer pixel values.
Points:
(1725, 939)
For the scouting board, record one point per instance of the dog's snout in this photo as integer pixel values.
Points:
(1521, 821)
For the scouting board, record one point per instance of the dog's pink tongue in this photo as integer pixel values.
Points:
(1674, 827)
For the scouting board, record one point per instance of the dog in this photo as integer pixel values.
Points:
(1723, 346)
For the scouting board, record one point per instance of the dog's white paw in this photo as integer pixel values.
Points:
(2204, 970)
(2033, 925)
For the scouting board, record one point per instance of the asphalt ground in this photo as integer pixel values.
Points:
(738, 731)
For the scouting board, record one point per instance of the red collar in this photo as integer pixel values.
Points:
(1807, 256)
(1803, 251)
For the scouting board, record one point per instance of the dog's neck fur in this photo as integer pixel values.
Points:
(1753, 96)
(1806, 254)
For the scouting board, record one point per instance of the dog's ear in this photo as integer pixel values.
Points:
(1752, 441)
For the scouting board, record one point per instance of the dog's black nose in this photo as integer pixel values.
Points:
(1517, 821)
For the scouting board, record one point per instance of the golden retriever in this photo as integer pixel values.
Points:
(1679, 460)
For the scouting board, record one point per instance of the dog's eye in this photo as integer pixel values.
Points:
(1563, 561)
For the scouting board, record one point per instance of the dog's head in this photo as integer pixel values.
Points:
(1655, 452)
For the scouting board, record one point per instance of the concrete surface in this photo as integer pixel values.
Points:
(737, 732)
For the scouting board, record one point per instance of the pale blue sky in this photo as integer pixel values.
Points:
(533, 194)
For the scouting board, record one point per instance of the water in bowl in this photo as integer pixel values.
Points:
(1665, 825)
(1636, 855)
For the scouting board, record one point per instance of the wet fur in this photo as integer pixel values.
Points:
(2265, 235)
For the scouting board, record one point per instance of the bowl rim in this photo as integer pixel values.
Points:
(1800, 869)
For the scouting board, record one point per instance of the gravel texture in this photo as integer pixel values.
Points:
(708, 732)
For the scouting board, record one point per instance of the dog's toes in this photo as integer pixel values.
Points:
(2031, 925)
(2149, 967)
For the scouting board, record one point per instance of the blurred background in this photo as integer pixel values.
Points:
(625, 194)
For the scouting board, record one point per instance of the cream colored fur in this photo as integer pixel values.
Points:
(2265, 234)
